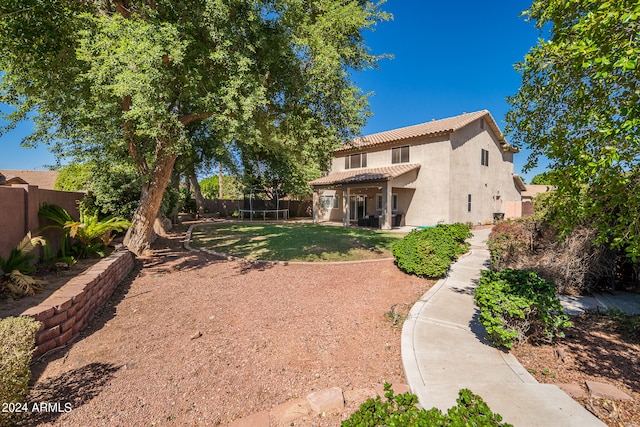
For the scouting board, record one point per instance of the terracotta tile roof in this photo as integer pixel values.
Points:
(43, 179)
(432, 128)
(365, 175)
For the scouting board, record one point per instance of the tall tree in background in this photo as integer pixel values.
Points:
(126, 79)
(579, 106)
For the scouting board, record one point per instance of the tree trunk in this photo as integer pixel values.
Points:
(138, 238)
(197, 192)
(220, 182)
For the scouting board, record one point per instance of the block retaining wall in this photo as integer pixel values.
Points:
(68, 310)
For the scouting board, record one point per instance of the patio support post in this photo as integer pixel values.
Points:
(345, 206)
(387, 207)
(316, 205)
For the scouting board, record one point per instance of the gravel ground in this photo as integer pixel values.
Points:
(188, 340)
(595, 349)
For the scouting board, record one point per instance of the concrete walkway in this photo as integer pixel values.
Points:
(444, 350)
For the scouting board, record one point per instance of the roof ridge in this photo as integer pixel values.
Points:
(434, 127)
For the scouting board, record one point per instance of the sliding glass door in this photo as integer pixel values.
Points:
(357, 207)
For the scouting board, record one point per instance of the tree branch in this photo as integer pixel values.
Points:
(185, 120)
(121, 7)
(141, 163)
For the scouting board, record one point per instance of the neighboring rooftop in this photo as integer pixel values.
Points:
(43, 179)
(533, 190)
(433, 128)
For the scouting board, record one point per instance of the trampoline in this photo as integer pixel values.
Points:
(265, 202)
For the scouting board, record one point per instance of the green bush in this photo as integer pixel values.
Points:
(18, 337)
(517, 305)
(429, 252)
(14, 277)
(401, 411)
(91, 234)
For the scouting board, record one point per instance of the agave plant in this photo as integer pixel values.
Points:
(14, 269)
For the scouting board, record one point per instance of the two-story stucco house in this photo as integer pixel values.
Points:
(458, 169)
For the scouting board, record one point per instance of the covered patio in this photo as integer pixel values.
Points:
(373, 197)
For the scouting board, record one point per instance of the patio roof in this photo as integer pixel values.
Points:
(365, 175)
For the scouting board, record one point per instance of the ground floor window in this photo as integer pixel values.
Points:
(468, 202)
(329, 202)
(394, 202)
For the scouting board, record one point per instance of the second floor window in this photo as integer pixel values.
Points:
(400, 154)
(484, 157)
(355, 161)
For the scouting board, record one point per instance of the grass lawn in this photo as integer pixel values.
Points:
(294, 242)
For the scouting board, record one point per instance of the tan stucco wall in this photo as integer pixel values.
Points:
(490, 186)
(20, 204)
(513, 210)
(322, 215)
(450, 170)
(13, 226)
(430, 203)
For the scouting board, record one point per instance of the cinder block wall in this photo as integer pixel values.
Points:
(19, 205)
(68, 310)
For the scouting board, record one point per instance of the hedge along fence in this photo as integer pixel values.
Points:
(68, 310)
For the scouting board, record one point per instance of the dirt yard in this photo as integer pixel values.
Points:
(189, 340)
(595, 349)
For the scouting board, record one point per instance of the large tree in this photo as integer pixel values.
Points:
(579, 106)
(128, 79)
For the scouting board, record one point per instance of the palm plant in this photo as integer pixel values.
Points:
(14, 269)
(60, 217)
(92, 235)
(95, 234)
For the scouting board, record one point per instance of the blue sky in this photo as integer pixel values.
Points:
(450, 57)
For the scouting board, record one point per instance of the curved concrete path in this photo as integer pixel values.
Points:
(444, 350)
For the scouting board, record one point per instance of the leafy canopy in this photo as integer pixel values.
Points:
(132, 81)
(544, 178)
(232, 188)
(579, 106)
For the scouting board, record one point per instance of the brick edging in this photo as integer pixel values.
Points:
(69, 309)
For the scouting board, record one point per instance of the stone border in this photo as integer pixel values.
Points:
(303, 411)
(69, 309)
(187, 245)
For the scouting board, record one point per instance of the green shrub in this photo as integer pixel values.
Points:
(91, 234)
(517, 305)
(429, 252)
(14, 270)
(18, 337)
(401, 411)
